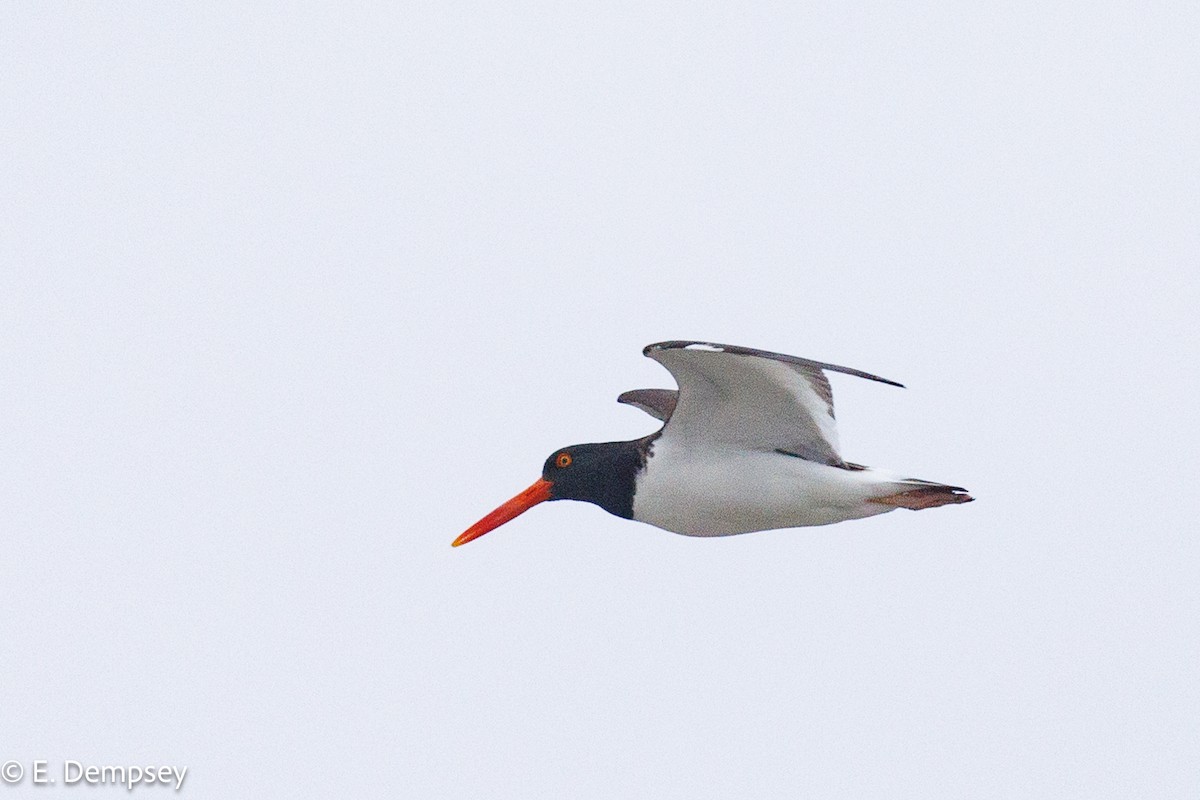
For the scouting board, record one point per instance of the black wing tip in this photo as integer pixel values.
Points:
(658, 403)
(632, 397)
(732, 349)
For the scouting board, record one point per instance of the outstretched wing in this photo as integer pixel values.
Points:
(743, 398)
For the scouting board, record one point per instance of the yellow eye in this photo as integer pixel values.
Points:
(563, 461)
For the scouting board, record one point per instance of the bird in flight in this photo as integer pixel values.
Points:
(749, 443)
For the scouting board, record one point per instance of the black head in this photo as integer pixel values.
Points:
(602, 473)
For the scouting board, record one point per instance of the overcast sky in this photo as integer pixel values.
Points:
(291, 295)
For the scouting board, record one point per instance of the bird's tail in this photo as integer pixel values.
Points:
(924, 494)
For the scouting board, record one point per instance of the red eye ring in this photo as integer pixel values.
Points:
(563, 461)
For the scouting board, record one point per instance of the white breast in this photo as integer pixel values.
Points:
(728, 491)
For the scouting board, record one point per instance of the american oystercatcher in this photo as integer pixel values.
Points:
(749, 444)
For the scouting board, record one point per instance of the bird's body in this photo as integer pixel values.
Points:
(749, 443)
(724, 493)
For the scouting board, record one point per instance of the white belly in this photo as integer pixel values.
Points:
(727, 492)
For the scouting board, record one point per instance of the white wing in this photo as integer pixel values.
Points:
(739, 397)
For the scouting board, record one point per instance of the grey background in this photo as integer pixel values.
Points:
(291, 294)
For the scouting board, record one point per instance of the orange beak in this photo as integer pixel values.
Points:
(538, 493)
